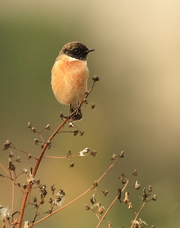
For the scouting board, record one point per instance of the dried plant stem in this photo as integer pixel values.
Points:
(54, 212)
(65, 157)
(138, 213)
(113, 202)
(13, 195)
(29, 186)
(22, 151)
(110, 167)
(4, 169)
(84, 193)
(46, 145)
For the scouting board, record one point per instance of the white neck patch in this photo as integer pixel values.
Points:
(73, 59)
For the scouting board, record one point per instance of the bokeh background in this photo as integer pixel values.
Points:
(137, 101)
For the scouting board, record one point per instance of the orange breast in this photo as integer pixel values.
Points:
(69, 80)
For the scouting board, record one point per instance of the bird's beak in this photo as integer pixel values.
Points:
(90, 50)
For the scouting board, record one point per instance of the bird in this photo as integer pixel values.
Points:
(69, 76)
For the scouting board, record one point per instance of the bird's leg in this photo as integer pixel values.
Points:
(77, 114)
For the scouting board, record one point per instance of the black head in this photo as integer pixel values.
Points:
(76, 50)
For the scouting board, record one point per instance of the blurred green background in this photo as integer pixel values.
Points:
(137, 101)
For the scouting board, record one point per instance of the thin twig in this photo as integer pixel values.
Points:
(84, 193)
(110, 167)
(4, 169)
(14, 147)
(113, 202)
(54, 212)
(138, 213)
(66, 157)
(13, 195)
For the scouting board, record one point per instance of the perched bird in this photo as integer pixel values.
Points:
(69, 76)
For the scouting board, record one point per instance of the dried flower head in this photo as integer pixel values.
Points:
(18, 159)
(121, 154)
(4, 212)
(69, 153)
(43, 190)
(126, 198)
(122, 178)
(135, 173)
(76, 132)
(137, 185)
(105, 192)
(86, 207)
(93, 199)
(49, 144)
(30, 178)
(81, 133)
(150, 188)
(10, 154)
(93, 153)
(95, 78)
(33, 129)
(92, 106)
(101, 209)
(130, 206)
(83, 152)
(26, 224)
(47, 127)
(25, 170)
(109, 224)
(71, 164)
(6, 145)
(29, 125)
(53, 188)
(59, 197)
(71, 125)
(154, 198)
(113, 157)
(11, 166)
(138, 223)
(95, 184)
(36, 141)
